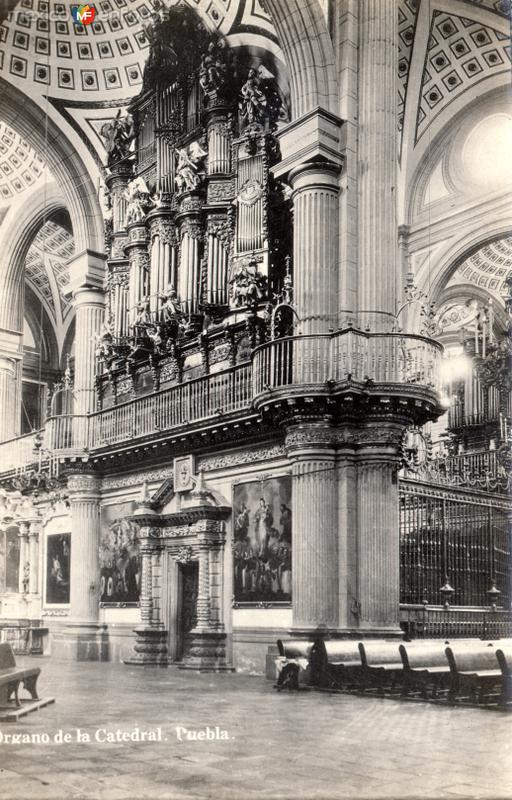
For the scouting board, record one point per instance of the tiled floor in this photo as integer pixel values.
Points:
(305, 745)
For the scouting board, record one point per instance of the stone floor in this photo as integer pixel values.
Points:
(305, 745)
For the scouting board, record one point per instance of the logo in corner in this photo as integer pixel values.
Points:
(83, 14)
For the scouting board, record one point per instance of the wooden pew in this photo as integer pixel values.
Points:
(474, 672)
(504, 657)
(336, 664)
(381, 663)
(12, 676)
(426, 667)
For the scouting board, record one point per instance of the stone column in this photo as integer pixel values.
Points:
(379, 268)
(203, 592)
(150, 648)
(83, 639)
(9, 397)
(89, 308)
(33, 539)
(138, 256)
(23, 586)
(378, 539)
(315, 245)
(311, 448)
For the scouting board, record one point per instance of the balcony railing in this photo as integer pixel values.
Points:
(482, 470)
(315, 360)
(311, 360)
(220, 393)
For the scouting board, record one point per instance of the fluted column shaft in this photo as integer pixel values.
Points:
(314, 514)
(10, 413)
(315, 245)
(146, 587)
(379, 265)
(378, 572)
(89, 308)
(24, 558)
(84, 496)
(33, 545)
(203, 591)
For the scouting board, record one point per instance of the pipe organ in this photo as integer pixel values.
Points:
(191, 238)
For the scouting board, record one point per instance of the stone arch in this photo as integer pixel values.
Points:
(63, 161)
(309, 54)
(16, 241)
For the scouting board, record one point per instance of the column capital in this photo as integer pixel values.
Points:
(86, 270)
(11, 348)
(314, 175)
(310, 439)
(84, 487)
(88, 296)
(316, 135)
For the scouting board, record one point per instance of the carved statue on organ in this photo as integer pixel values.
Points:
(118, 135)
(188, 175)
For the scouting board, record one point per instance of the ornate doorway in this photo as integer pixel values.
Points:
(187, 611)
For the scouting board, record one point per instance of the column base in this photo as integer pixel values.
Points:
(150, 648)
(206, 652)
(81, 642)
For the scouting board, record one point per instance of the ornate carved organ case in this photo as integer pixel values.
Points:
(198, 232)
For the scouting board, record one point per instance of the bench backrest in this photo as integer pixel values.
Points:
(6, 656)
(379, 653)
(431, 655)
(294, 648)
(504, 657)
(467, 659)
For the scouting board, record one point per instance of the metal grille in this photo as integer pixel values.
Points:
(461, 535)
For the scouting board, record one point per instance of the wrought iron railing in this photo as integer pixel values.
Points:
(464, 536)
(482, 470)
(317, 359)
(424, 621)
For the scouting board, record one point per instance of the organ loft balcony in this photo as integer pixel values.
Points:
(336, 371)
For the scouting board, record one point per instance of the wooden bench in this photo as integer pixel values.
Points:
(292, 662)
(12, 676)
(504, 657)
(336, 664)
(426, 667)
(475, 672)
(382, 664)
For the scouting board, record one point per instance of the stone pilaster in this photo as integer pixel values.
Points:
(84, 638)
(150, 648)
(9, 396)
(33, 547)
(89, 309)
(378, 537)
(23, 577)
(311, 448)
(315, 244)
(379, 268)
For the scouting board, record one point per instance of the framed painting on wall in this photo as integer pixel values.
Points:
(262, 542)
(58, 560)
(120, 567)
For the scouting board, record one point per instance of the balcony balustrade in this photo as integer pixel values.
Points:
(314, 362)
(346, 356)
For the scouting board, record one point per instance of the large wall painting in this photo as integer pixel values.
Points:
(120, 567)
(262, 541)
(58, 560)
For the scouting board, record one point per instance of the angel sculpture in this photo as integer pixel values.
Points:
(139, 200)
(187, 171)
(171, 306)
(117, 135)
(253, 102)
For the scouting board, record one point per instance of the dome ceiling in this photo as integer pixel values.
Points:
(20, 166)
(41, 44)
(487, 268)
